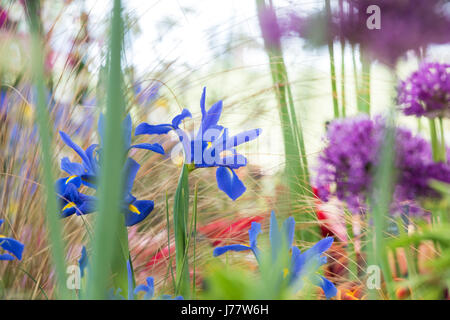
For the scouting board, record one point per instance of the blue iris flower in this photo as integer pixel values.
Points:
(71, 200)
(89, 167)
(14, 247)
(86, 172)
(302, 264)
(211, 146)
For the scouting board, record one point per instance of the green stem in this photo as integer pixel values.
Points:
(56, 240)
(355, 78)
(109, 237)
(365, 84)
(180, 219)
(332, 67)
(412, 271)
(351, 251)
(434, 140)
(296, 168)
(380, 201)
(343, 96)
(443, 146)
(195, 241)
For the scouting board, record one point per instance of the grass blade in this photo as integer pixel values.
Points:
(109, 219)
(54, 225)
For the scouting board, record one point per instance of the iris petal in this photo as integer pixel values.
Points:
(289, 229)
(328, 288)
(233, 247)
(228, 182)
(144, 207)
(65, 137)
(72, 168)
(13, 246)
(253, 233)
(83, 262)
(155, 147)
(6, 257)
(145, 128)
(183, 115)
(130, 171)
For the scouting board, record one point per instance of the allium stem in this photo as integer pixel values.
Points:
(332, 67)
(434, 140)
(365, 84)
(443, 145)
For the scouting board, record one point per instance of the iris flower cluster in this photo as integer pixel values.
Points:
(301, 264)
(211, 146)
(86, 173)
(348, 162)
(427, 91)
(12, 246)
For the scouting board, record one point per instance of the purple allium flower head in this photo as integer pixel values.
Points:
(351, 156)
(270, 28)
(405, 25)
(427, 91)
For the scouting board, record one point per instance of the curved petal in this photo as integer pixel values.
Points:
(253, 233)
(228, 182)
(328, 288)
(141, 288)
(6, 257)
(202, 102)
(90, 154)
(155, 147)
(289, 229)
(65, 137)
(130, 171)
(83, 262)
(233, 247)
(72, 168)
(183, 115)
(321, 246)
(62, 184)
(145, 128)
(88, 205)
(67, 212)
(13, 246)
(212, 115)
(141, 209)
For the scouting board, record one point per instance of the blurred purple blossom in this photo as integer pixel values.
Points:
(405, 25)
(427, 91)
(351, 156)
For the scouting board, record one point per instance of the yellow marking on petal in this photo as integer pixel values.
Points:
(134, 209)
(209, 144)
(2, 236)
(69, 205)
(161, 102)
(285, 272)
(230, 171)
(70, 178)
